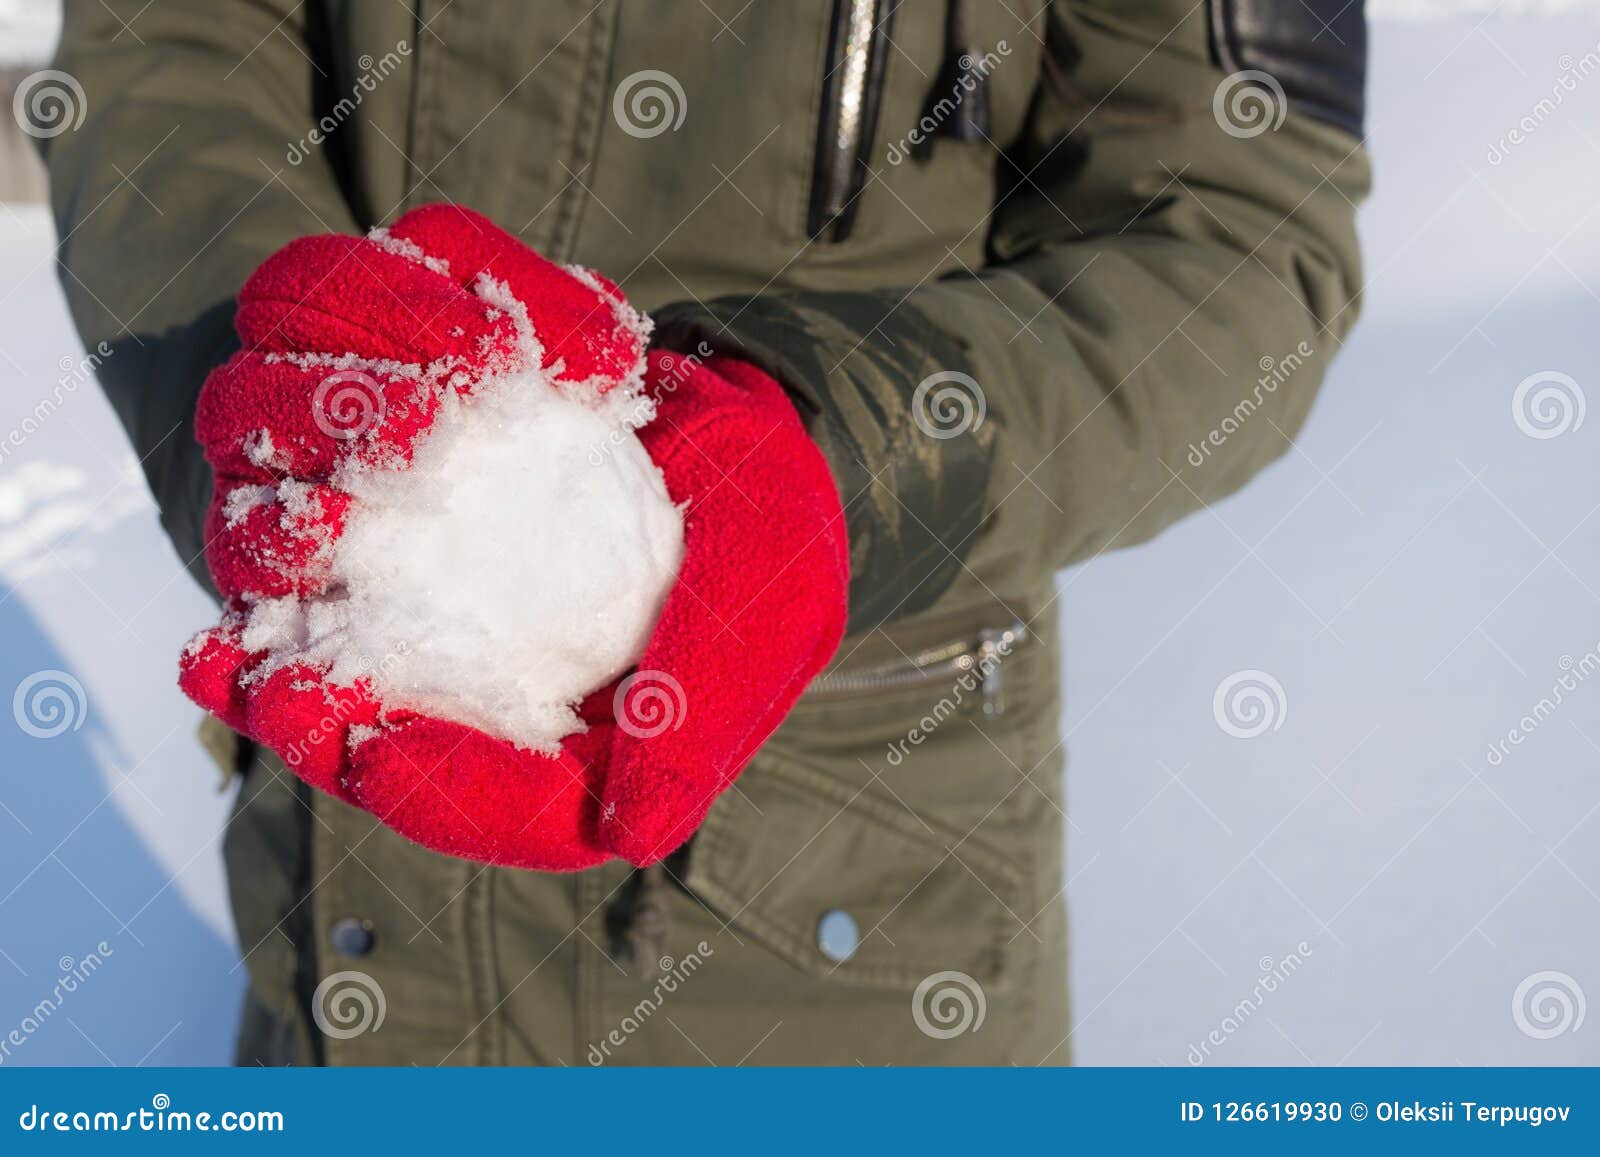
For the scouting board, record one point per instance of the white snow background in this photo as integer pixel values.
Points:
(1412, 575)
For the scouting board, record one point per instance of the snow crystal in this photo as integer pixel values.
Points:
(260, 450)
(241, 500)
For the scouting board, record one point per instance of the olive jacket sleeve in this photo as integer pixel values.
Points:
(1173, 263)
(176, 185)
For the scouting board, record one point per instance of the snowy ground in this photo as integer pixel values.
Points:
(1413, 577)
(110, 830)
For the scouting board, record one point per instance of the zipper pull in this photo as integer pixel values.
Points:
(994, 648)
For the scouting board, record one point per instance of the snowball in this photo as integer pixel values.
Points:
(518, 562)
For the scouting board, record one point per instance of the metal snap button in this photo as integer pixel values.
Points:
(837, 935)
(351, 936)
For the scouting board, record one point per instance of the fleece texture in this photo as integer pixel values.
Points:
(407, 314)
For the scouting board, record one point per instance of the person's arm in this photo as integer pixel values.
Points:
(1146, 264)
(172, 190)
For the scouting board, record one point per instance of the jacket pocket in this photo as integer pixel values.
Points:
(793, 844)
(972, 659)
(952, 716)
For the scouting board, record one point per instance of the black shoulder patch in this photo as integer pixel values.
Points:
(1315, 49)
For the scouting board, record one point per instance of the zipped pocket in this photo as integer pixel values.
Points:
(978, 659)
(858, 46)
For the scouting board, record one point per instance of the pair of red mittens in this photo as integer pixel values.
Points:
(418, 312)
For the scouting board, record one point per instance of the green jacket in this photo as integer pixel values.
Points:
(1043, 277)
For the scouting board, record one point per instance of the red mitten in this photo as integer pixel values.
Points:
(758, 610)
(353, 349)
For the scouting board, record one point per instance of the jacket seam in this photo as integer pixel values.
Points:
(419, 122)
(583, 145)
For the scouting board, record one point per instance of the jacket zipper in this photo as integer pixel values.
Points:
(984, 653)
(857, 54)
